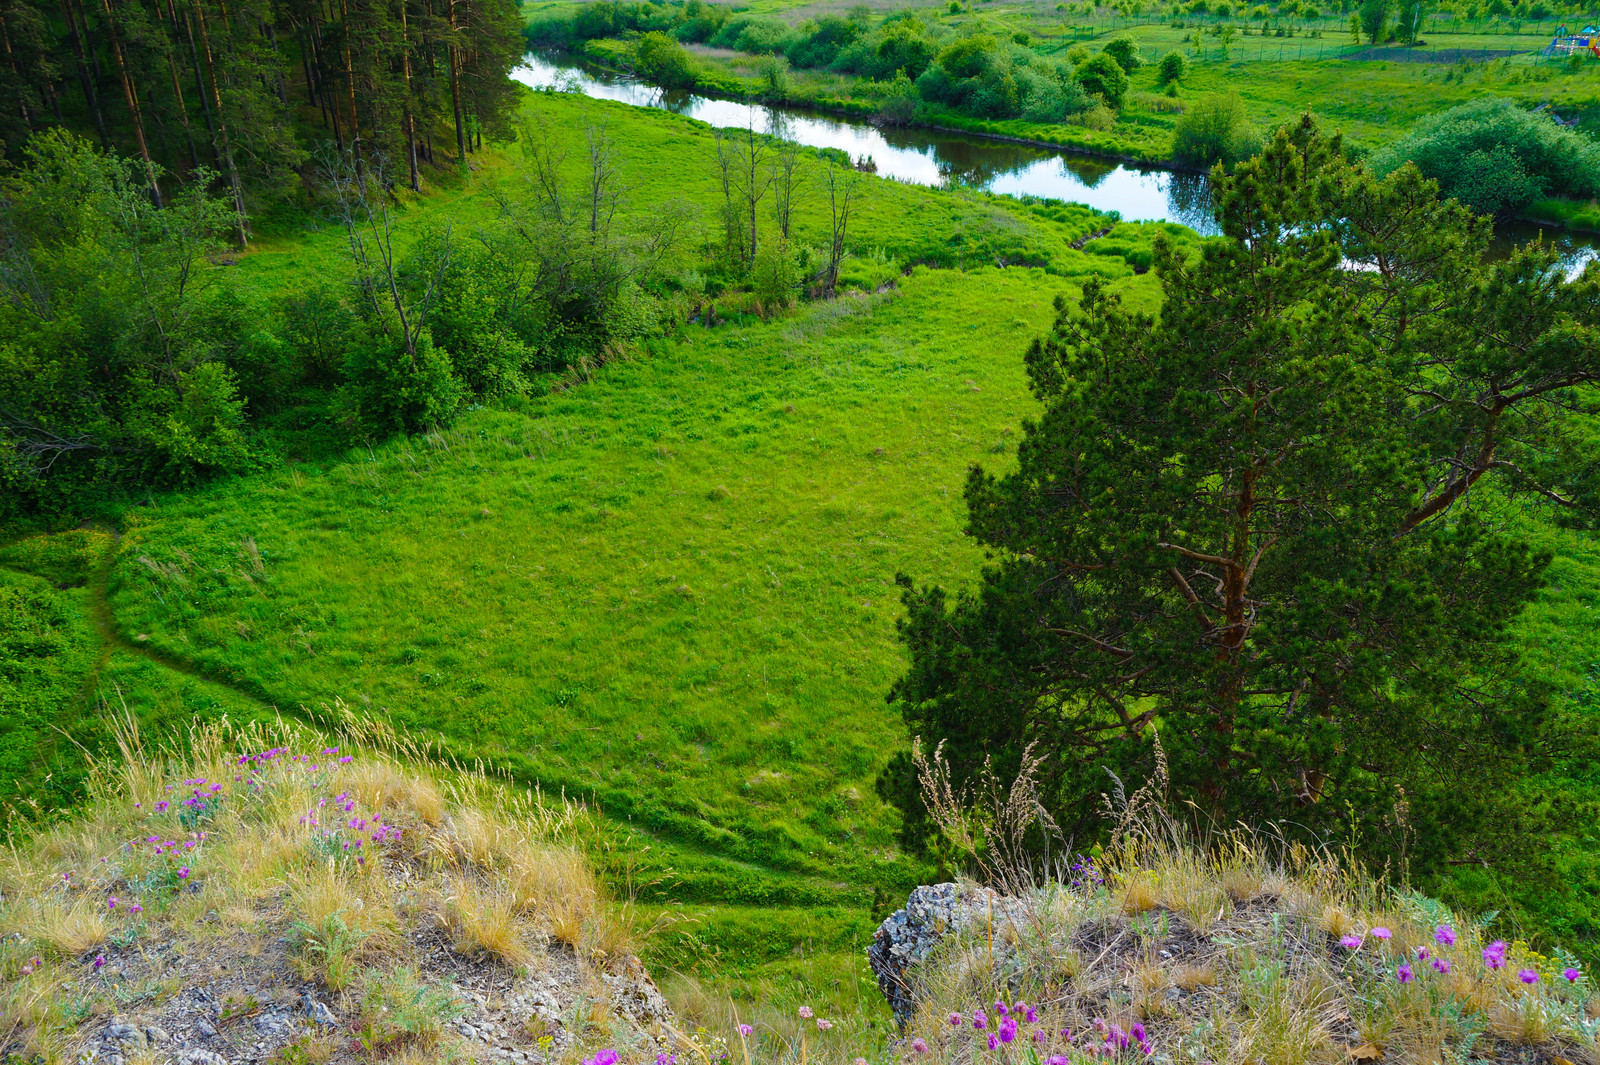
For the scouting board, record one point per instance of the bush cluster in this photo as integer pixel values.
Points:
(1495, 157)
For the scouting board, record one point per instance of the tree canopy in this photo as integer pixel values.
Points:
(1273, 523)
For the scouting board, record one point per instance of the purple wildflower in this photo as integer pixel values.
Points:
(183, 873)
(980, 1021)
(666, 1058)
(1008, 1029)
(805, 1011)
(744, 1030)
(603, 1057)
(822, 1025)
(955, 1020)
(134, 907)
(1059, 1059)
(1138, 1032)
(1571, 975)
(111, 903)
(1031, 1015)
(1380, 933)
(99, 960)
(1000, 1008)
(1445, 936)
(994, 1041)
(1350, 942)
(1494, 955)
(1528, 976)
(1422, 953)
(1404, 973)
(919, 1047)
(1440, 965)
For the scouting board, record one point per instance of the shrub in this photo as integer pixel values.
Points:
(775, 83)
(900, 103)
(1173, 68)
(394, 390)
(1103, 75)
(1495, 157)
(1215, 129)
(1124, 51)
(776, 276)
(662, 61)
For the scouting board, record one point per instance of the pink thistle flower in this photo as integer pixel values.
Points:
(99, 960)
(1040, 1035)
(1008, 1029)
(744, 1030)
(822, 1025)
(1059, 1059)
(1030, 1015)
(183, 873)
(1380, 933)
(1440, 965)
(1422, 953)
(665, 1058)
(135, 908)
(1350, 942)
(919, 1047)
(955, 1020)
(1404, 974)
(111, 903)
(1494, 955)
(805, 1011)
(980, 1021)
(1445, 936)
(1571, 975)
(1528, 976)
(994, 1041)
(1000, 1008)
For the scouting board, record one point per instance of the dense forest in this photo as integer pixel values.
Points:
(244, 91)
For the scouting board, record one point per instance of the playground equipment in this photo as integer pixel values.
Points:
(1566, 44)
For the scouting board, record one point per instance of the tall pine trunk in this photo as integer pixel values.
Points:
(223, 147)
(131, 94)
(78, 30)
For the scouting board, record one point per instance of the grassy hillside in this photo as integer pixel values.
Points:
(668, 588)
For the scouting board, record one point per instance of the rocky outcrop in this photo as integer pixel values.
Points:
(932, 912)
(254, 1009)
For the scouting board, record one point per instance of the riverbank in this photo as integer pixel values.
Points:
(1151, 147)
(722, 80)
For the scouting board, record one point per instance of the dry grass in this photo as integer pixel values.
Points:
(332, 851)
(1228, 950)
(484, 919)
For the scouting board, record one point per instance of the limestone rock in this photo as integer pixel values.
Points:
(907, 936)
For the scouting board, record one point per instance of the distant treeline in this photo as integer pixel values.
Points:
(243, 87)
(982, 74)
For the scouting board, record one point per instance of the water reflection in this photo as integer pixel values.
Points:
(930, 157)
(916, 155)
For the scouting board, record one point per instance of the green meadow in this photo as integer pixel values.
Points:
(665, 587)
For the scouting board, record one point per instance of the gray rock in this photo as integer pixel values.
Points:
(122, 1032)
(906, 936)
(157, 1036)
(200, 1056)
(318, 1011)
(205, 1028)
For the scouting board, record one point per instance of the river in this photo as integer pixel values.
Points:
(930, 157)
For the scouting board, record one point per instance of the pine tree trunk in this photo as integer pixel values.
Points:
(455, 89)
(224, 149)
(85, 71)
(132, 96)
